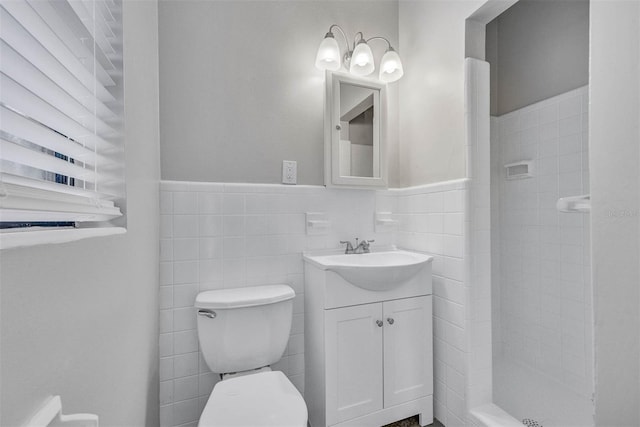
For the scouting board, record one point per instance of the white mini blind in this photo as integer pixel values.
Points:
(61, 111)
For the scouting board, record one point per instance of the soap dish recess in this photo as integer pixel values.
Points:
(519, 170)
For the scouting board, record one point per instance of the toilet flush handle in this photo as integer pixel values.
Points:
(207, 313)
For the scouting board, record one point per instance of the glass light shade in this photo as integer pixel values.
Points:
(328, 57)
(391, 67)
(362, 60)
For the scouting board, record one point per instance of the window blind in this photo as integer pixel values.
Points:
(61, 111)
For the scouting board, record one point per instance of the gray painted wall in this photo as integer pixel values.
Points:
(542, 51)
(80, 319)
(431, 126)
(239, 89)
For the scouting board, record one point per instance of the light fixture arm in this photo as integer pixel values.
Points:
(358, 40)
(346, 40)
(381, 38)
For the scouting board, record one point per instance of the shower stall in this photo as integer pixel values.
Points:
(527, 99)
(541, 290)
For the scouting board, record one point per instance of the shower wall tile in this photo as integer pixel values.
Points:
(543, 276)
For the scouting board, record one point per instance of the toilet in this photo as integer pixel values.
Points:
(242, 331)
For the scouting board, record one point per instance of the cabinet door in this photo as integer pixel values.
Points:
(408, 350)
(353, 337)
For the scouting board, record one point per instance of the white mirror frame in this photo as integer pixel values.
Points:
(332, 177)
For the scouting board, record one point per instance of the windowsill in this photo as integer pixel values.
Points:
(16, 239)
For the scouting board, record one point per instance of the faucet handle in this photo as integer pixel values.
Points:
(365, 245)
(349, 248)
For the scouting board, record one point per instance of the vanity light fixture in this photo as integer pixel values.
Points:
(359, 59)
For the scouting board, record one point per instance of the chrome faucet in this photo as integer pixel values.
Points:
(361, 248)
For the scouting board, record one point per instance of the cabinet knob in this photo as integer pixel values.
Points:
(390, 320)
(379, 323)
(338, 127)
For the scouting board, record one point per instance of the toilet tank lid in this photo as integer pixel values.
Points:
(244, 297)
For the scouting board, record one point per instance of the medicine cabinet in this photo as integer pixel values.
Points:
(355, 132)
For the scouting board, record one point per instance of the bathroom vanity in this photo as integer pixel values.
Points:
(368, 340)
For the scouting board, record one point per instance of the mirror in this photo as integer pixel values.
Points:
(355, 132)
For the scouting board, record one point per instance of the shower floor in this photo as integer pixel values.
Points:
(525, 393)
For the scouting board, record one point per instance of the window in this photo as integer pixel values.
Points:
(61, 113)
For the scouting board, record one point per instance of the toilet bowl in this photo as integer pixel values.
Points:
(243, 331)
(263, 399)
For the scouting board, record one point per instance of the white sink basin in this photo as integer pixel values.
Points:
(376, 271)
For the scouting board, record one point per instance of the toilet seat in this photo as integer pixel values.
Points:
(256, 400)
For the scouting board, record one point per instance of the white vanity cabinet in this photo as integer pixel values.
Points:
(353, 362)
(368, 354)
(408, 349)
(377, 356)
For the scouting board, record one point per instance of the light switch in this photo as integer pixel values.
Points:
(289, 172)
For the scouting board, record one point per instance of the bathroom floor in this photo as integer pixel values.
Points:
(412, 422)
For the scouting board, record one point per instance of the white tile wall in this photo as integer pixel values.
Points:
(542, 315)
(431, 219)
(226, 235)
(479, 384)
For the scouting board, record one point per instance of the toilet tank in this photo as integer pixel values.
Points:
(244, 328)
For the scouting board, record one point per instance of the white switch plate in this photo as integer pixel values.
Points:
(289, 172)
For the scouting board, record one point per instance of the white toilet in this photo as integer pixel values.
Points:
(242, 331)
